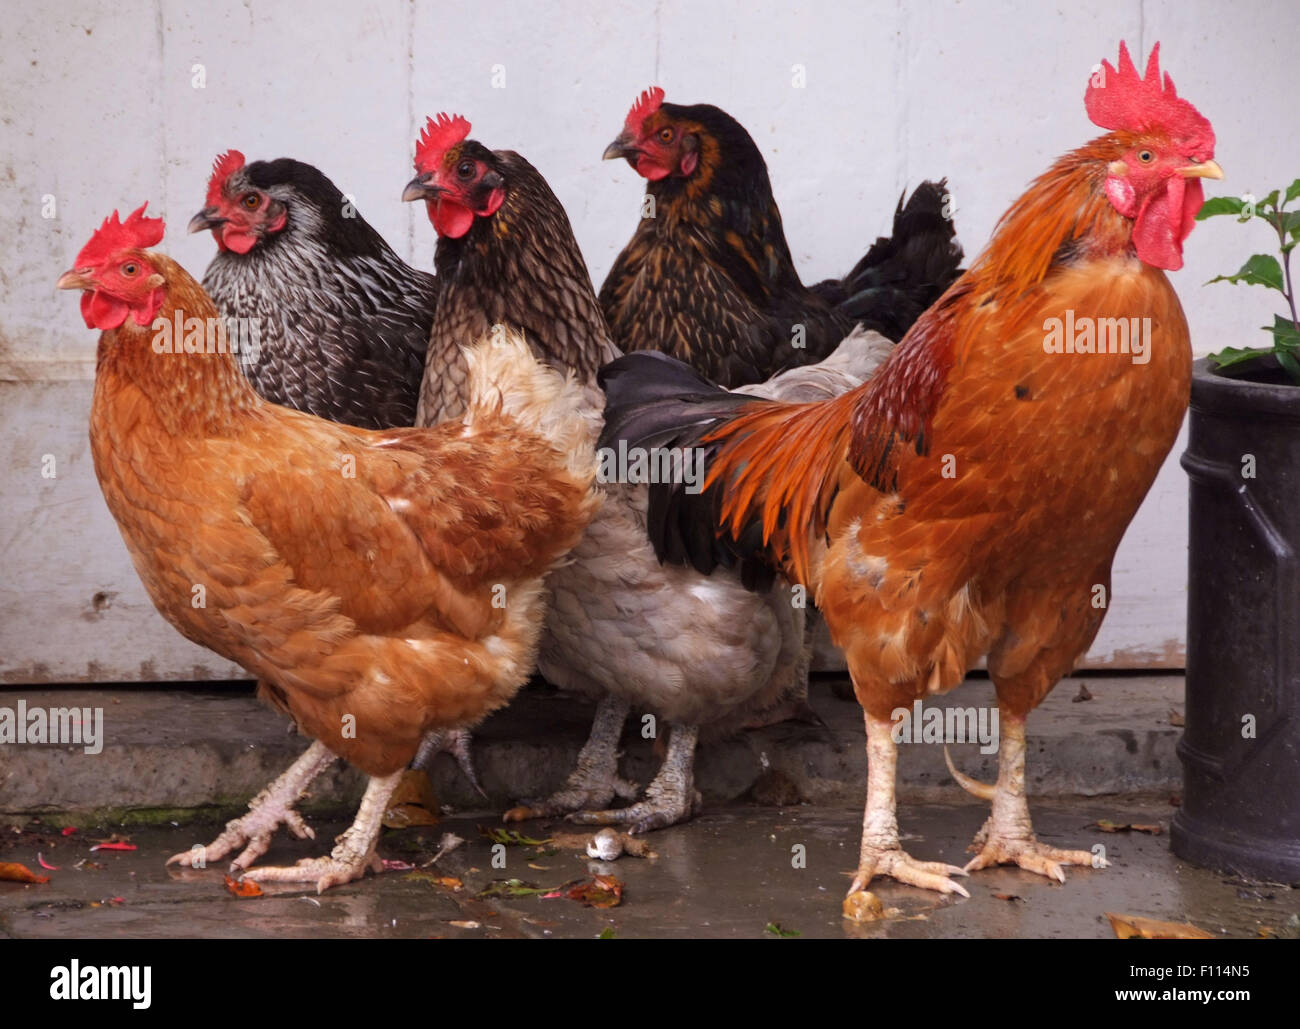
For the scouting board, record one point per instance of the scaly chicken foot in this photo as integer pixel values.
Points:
(670, 798)
(881, 852)
(1007, 838)
(456, 742)
(594, 782)
(354, 852)
(270, 809)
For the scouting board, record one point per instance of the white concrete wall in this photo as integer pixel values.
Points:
(98, 110)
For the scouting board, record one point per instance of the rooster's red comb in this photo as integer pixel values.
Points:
(222, 168)
(1124, 100)
(136, 233)
(440, 134)
(646, 104)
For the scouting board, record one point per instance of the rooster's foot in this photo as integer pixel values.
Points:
(269, 810)
(1029, 854)
(898, 864)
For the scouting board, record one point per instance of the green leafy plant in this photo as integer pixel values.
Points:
(1265, 270)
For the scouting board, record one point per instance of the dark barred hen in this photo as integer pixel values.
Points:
(498, 263)
(708, 276)
(342, 322)
(700, 654)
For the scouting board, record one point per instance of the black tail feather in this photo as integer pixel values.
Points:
(653, 401)
(904, 273)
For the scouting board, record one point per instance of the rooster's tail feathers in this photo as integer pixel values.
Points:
(766, 467)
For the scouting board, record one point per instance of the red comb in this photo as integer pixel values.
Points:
(439, 135)
(1124, 100)
(646, 104)
(222, 167)
(136, 233)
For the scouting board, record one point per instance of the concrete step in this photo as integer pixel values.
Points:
(176, 754)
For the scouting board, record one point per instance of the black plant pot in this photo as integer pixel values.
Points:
(1241, 746)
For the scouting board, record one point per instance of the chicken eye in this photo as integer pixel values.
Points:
(252, 201)
(130, 268)
(465, 169)
(666, 134)
(1146, 156)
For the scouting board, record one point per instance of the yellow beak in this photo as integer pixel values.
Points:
(1204, 170)
(78, 278)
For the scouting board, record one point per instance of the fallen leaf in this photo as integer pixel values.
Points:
(40, 860)
(1176, 718)
(776, 929)
(243, 888)
(1128, 927)
(607, 934)
(467, 925)
(600, 891)
(511, 838)
(113, 845)
(412, 803)
(1082, 695)
(1106, 825)
(12, 871)
(511, 888)
(539, 868)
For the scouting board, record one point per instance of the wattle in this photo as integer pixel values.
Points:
(451, 219)
(241, 241)
(102, 312)
(1166, 221)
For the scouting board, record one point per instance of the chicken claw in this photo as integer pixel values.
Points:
(898, 864)
(1029, 854)
(670, 799)
(457, 743)
(355, 847)
(270, 809)
(594, 782)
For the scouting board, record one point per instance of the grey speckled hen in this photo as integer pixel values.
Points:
(343, 322)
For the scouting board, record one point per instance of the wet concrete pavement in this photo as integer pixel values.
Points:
(728, 874)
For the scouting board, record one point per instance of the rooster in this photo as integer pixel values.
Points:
(968, 499)
(342, 321)
(708, 276)
(699, 654)
(356, 573)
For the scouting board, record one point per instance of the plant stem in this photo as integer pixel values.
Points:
(1289, 292)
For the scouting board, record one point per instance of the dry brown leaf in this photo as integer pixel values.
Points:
(467, 925)
(1128, 927)
(12, 871)
(412, 803)
(1082, 695)
(1176, 718)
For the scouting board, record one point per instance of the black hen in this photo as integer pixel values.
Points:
(342, 322)
(708, 276)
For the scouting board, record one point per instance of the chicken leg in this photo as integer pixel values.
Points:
(669, 799)
(594, 782)
(1007, 838)
(355, 847)
(881, 853)
(270, 809)
(457, 743)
